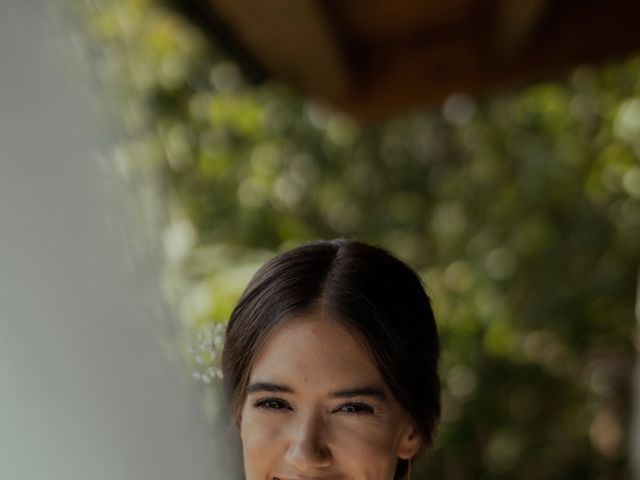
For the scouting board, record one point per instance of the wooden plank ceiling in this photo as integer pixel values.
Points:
(374, 58)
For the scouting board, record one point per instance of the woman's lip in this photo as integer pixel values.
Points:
(277, 477)
(293, 478)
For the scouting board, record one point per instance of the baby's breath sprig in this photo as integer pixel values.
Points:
(206, 350)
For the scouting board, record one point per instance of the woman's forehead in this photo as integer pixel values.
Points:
(307, 349)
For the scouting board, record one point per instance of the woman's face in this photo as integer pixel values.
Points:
(316, 407)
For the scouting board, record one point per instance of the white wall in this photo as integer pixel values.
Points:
(86, 390)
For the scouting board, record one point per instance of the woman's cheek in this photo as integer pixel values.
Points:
(367, 448)
(261, 443)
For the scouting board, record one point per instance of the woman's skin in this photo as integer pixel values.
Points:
(316, 407)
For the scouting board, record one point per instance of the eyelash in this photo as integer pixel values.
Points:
(274, 405)
(361, 408)
(264, 404)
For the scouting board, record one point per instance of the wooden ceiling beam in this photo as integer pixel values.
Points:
(291, 38)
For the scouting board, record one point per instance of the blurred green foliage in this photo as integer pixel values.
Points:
(522, 212)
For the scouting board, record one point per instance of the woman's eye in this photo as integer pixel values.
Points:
(356, 409)
(273, 404)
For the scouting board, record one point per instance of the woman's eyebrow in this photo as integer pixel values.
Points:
(361, 392)
(267, 387)
(352, 392)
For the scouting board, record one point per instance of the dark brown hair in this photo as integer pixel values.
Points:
(362, 286)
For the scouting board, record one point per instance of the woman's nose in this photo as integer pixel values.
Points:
(308, 448)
